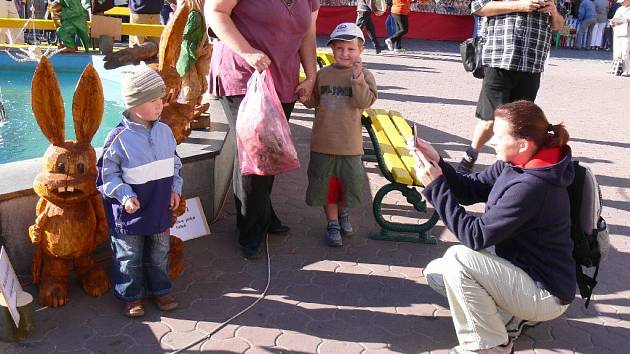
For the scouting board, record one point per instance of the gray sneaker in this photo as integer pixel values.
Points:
(333, 234)
(517, 326)
(389, 44)
(344, 222)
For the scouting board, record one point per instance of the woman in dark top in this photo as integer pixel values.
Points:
(531, 275)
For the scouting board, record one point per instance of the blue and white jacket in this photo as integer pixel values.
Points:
(139, 162)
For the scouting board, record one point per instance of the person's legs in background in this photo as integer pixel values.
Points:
(495, 90)
(582, 38)
(364, 21)
(10, 35)
(394, 42)
(146, 19)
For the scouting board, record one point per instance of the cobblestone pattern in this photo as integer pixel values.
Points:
(371, 296)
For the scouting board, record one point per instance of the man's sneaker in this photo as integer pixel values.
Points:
(500, 349)
(389, 44)
(344, 223)
(467, 163)
(333, 234)
(516, 326)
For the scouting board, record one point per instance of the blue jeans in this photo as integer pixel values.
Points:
(140, 266)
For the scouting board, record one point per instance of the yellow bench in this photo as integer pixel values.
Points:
(389, 133)
(119, 11)
(133, 29)
(323, 59)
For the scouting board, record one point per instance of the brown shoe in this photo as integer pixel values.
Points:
(133, 309)
(166, 302)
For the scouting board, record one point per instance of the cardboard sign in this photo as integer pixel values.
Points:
(192, 223)
(9, 285)
(104, 25)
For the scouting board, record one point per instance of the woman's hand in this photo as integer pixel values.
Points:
(423, 147)
(257, 59)
(305, 89)
(427, 171)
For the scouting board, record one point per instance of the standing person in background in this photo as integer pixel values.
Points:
(8, 9)
(597, 37)
(400, 10)
(364, 21)
(278, 35)
(146, 12)
(621, 31)
(587, 15)
(517, 40)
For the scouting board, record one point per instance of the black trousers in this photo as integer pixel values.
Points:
(364, 20)
(402, 27)
(252, 193)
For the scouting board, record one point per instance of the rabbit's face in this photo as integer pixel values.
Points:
(68, 174)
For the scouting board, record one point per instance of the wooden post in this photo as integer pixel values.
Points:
(8, 331)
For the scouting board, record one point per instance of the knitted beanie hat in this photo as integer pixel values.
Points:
(141, 85)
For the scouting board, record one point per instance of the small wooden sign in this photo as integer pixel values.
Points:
(192, 223)
(105, 25)
(9, 285)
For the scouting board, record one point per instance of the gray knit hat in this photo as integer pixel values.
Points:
(141, 85)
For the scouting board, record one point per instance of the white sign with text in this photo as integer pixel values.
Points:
(9, 285)
(192, 223)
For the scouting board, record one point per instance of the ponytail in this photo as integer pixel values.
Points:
(528, 121)
(559, 136)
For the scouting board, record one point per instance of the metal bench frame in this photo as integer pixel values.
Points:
(390, 230)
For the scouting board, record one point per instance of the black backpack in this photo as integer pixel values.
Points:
(588, 229)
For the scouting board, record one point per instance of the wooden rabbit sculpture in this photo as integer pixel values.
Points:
(70, 219)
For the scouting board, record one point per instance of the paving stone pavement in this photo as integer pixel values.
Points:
(371, 296)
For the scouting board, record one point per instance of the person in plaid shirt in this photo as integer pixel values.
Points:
(517, 39)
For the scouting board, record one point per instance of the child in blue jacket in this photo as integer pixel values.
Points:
(138, 176)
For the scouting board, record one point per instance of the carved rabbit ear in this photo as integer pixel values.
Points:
(171, 40)
(87, 105)
(47, 102)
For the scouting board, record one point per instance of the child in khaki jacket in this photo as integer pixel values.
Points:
(342, 91)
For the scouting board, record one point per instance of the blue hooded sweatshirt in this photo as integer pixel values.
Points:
(527, 215)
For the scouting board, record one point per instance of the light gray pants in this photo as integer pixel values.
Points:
(583, 38)
(483, 292)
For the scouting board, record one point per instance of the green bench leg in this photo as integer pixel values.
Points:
(391, 231)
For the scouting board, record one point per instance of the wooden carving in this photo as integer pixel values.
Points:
(70, 220)
(185, 83)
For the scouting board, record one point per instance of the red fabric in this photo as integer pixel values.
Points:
(421, 25)
(335, 190)
(545, 157)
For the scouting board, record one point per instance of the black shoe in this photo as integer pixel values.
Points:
(467, 163)
(252, 251)
(278, 229)
(379, 48)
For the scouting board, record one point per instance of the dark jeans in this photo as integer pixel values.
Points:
(252, 193)
(140, 265)
(402, 27)
(364, 20)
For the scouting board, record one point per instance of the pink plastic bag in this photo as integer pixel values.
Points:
(263, 137)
